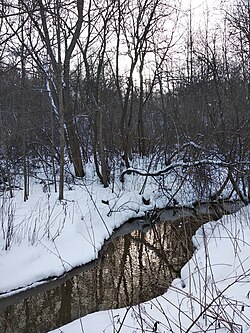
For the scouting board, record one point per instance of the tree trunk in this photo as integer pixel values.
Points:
(62, 139)
(102, 151)
(74, 146)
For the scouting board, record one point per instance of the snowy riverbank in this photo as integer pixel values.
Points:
(211, 296)
(43, 237)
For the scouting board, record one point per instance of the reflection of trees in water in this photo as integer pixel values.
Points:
(64, 314)
(132, 269)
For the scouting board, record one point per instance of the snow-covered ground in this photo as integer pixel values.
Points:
(212, 294)
(43, 238)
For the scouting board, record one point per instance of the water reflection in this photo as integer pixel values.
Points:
(131, 269)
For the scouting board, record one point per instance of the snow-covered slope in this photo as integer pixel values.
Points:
(44, 237)
(211, 296)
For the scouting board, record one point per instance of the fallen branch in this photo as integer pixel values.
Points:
(182, 164)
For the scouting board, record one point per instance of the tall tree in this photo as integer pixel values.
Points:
(138, 25)
(58, 30)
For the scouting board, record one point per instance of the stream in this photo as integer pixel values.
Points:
(137, 263)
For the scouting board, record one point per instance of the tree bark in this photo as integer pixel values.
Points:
(74, 146)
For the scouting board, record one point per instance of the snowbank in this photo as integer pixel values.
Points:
(43, 237)
(212, 294)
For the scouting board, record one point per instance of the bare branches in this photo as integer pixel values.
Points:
(184, 165)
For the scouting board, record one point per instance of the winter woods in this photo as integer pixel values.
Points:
(110, 80)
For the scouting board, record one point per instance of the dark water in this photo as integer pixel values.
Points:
(131, 268)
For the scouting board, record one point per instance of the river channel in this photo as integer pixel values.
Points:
(136, 264)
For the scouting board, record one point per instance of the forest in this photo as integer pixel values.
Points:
(125, 148)
(109, 81)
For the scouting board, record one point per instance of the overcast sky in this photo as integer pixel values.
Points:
(204, 10)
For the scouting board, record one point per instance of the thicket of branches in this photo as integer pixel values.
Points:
(111, 80)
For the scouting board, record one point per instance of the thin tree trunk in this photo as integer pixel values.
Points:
(25, 174)
(62, 142)
(53, 151)
(141, 133)
(102, 151)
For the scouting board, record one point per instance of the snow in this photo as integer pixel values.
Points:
(43, 238)
(211, 295)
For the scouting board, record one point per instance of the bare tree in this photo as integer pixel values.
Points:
(94, 50)
(138, 27)
(58, 30)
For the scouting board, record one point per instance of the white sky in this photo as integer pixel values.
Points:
(205, 10)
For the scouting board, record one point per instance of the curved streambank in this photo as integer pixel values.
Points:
(137, 263)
